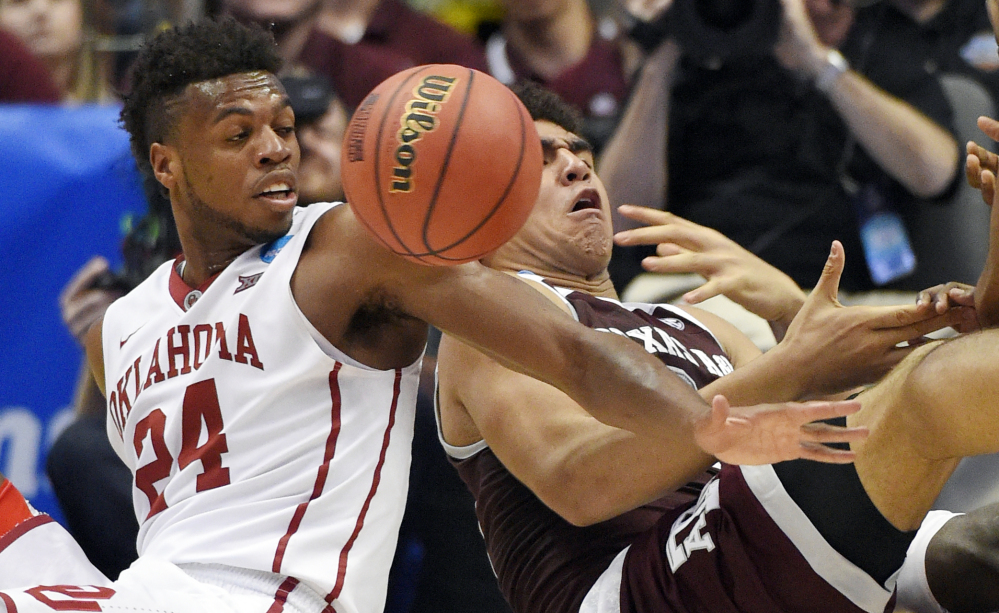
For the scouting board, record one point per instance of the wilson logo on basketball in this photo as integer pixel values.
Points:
(355, 140)
(418, 118)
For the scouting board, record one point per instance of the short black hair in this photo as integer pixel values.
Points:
(175, 58)
(545, 105)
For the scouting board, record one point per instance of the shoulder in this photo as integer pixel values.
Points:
(738, 346)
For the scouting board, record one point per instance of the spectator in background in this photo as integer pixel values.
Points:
(23, 77)
(779, 144)
(61, 33)
(357, 44)
(557, 43)
(320, 122)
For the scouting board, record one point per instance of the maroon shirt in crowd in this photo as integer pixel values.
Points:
(397, 38)
(23, 77)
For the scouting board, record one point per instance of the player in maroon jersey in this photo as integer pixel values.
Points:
(795, 536)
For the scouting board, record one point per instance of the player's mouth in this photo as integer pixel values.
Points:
(588, 200)
(279, 192)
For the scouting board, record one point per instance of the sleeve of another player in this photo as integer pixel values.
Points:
(35, 550)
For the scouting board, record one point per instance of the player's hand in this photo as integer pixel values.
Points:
(941, 298)
(79, 303)
(730, 270)
(770, 433)
(836, 348)
(981, 165)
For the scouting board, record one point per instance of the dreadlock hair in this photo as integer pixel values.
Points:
(180, 56)
(545, 105)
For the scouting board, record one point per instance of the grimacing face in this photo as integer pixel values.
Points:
(569, 229)
(233, 157)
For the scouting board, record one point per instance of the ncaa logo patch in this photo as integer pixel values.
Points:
(269, 252)
(673, 322)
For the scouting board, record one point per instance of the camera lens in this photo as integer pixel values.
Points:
(713, 31)
(724, 14)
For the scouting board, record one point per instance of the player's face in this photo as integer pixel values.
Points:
(233, 159)
(570, 226)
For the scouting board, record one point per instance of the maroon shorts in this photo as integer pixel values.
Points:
(743, 547)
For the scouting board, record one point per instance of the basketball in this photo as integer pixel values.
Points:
(441, 163)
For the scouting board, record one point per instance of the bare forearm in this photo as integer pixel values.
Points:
(908, 145)
(633, 164)
(771, 377)
(622, 386)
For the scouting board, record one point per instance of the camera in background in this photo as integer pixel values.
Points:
(713, 31)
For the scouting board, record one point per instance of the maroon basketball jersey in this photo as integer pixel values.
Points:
(543, 563)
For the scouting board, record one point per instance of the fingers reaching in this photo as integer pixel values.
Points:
(83, 279)
(818, 452)
(828, 284)
(989, 126)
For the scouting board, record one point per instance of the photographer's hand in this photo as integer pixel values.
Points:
(799, 47)
(80, 304)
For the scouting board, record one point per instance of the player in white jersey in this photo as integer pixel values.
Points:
(262, 386)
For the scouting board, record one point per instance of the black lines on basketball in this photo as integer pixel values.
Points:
(442, 173)
(388, 116)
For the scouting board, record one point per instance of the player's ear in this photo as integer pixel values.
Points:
(164, 161)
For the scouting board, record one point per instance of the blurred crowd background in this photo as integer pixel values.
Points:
(732, 113)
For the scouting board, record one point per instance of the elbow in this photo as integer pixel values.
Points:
(581, 499)
(580, 511)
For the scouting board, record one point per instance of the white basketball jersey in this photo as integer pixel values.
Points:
(253, 441)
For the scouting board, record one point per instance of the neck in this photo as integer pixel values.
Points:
(553, 43)
(920, 11)
(595, 285)
(208, 249)
(598, 285)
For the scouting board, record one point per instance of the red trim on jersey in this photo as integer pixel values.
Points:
(8, 602)
(21, 528)
(13, 507)
(282, 595)
(179, 289)
(324, 470)
(342, 568)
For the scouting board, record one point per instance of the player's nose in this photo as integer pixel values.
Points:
(572, 168)
(273, 147)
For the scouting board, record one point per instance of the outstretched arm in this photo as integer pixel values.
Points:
(829, 348)
(574, 463)
(683, 246)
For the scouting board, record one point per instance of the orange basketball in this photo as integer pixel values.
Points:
(441, 163)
